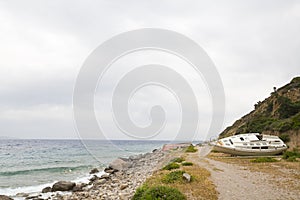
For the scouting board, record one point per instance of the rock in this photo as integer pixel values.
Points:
(106, 176)
(47, 189)
(78, 187)
(94, 171)
(94, 178)
(3, 197)
(63, 186)
(124, 196)
(187, 177)
(123, 186)
(110, 171)
(118, 164)
(154, 150)
(101, 181)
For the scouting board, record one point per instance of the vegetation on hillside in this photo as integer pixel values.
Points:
(278, 114)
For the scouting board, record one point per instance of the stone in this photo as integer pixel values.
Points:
(123, 186)
(106, 176)
(118, 164)
(101, 181)
(47, 189)
(110, 171)
(94, 178)
(78, 187)
(3, 197)
(94, 171)
(63, 186)
(187, 177)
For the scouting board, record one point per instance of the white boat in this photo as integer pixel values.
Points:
(250, 144)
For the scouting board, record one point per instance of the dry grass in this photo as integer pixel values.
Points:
(199, 188)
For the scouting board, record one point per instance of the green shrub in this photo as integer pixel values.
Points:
(259, 124)
(178, 160)
(171, 166)
(285, 138)
(173, 177)
(291, 155)
(158, 193)
(263, 159)
(287, 108)
(191, 149)
(187, 164)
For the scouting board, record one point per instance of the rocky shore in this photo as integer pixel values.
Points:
(120, 180)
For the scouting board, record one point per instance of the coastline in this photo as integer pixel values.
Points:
(118, 180)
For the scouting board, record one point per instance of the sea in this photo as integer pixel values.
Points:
(27, 166)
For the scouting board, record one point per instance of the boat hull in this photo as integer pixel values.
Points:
(250, 152)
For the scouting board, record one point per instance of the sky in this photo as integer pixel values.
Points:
(255, 45)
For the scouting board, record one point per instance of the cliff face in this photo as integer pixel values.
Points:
(278, 114)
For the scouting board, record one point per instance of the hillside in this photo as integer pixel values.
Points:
(278, 114)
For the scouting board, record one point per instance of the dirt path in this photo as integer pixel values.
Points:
(237, 182)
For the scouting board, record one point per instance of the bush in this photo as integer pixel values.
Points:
(191, 149)
(291, 155)
(187, 164)
(285, 138)
(173, 177)
(178, 160)
(263, 159)
(158, 193)
(171, 166)
(287, 107)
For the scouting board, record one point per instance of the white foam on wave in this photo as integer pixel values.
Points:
(37, 189)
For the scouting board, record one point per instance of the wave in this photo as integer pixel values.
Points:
(49, 169)
(36, 189)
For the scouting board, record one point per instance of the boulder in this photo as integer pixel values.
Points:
(63, 186)
(94, 171)
(3, 197)
(118, 164)
(187, 177)
(47, 189)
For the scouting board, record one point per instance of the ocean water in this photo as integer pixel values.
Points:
(30, 165)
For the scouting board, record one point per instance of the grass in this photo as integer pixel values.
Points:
(201, 187)
(172, 177)
(178, 160)
(158, 193)
(191, 149)
(187, 164)
(291, 156)
(171, 166)
(263, 160)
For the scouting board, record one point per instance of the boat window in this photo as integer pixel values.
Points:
(264, 147)
(242, 139)
(251, 144)
(227, 144)
(276, 141)
(225, 140)
(264, 143)
(258, 144)
(255, 147)
(245, 144)
(230, 141)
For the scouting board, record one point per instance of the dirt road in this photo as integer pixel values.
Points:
(238, 182)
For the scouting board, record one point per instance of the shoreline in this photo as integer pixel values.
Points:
(118, 180)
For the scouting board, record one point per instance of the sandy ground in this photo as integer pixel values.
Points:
(237, 182)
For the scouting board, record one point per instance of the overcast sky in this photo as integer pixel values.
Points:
(255, 46)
